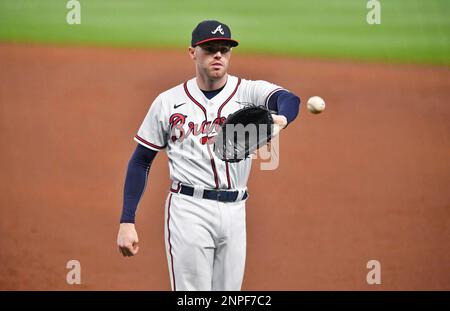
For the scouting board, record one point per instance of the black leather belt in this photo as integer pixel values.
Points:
(217, 195)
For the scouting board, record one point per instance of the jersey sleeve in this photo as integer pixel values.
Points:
(153, 131)
(260, 92)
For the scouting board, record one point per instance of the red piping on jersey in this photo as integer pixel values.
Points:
(218, 116)
(228, 99)
(170, 245)
(228, 175)
(193, 99)
(213, 165)
(149, 143)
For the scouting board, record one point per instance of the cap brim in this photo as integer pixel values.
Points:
(231, 41)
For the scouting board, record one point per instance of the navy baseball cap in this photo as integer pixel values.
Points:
(211, 30)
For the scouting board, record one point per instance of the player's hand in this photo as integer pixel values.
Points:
(127, 240)
(280, 123)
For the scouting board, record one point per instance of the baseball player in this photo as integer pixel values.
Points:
(205, 231)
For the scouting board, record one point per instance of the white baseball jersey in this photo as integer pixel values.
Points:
(182, 120)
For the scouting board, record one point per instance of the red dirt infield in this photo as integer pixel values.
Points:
(366, 179)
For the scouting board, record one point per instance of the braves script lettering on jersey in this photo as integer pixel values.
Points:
(186, 129)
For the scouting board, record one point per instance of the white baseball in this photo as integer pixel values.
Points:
(315, 104)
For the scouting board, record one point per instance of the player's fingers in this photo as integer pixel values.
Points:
(126, 252)
(279, 120)
(125, 249)
(130, 248)
(121, 251)
(134, 250)
(276, 130)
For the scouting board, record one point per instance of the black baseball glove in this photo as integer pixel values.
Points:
(243, 132)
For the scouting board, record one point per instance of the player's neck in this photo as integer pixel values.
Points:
(206, 84)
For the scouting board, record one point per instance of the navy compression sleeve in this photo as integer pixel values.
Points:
(135, 182)
(285, 103)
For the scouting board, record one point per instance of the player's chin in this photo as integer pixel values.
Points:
(217, 72)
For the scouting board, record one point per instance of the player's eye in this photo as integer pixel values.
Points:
(225, 49)
(215, 49)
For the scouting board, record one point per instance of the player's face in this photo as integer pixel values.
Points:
(212, 58)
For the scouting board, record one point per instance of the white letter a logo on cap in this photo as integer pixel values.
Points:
(218, 29)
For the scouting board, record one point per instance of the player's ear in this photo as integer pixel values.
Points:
(192, 53)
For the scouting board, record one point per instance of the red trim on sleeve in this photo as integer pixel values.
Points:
(149, 143)
(266, 102)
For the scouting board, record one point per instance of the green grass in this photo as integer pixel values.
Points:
(411, 31)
